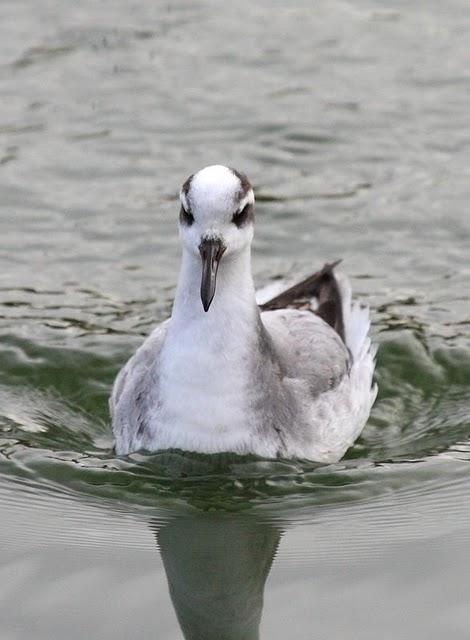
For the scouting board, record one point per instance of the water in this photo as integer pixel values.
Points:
(351, 118)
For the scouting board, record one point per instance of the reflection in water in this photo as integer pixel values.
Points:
(216, 568)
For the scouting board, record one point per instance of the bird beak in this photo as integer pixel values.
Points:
(211, 250)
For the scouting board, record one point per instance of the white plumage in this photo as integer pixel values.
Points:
(277, 383)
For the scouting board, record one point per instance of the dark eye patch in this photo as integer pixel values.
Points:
(186, 217)
(244, 216)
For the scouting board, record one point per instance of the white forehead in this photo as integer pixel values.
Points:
(214, 190)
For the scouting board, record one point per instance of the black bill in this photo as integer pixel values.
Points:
(211, 250)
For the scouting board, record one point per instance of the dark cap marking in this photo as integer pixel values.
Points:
(245, 184)
(186, 217)
(187, 184)
(240, 218)
(243, 217)
(246, 215)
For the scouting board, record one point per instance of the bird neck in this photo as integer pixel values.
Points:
(209, 359)
(234, 304)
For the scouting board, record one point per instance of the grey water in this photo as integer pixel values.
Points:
(352, 119)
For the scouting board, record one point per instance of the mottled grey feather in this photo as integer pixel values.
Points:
(136, 390)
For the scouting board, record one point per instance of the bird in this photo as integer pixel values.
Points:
(291, 378)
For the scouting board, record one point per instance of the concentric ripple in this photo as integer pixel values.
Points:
(55, 438)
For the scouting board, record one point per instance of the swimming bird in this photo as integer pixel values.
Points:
(223, 374)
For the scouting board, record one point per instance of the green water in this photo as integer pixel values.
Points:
(352, 120)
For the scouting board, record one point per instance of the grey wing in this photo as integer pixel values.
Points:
(310, 349)
(135, 392)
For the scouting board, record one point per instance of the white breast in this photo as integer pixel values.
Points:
(202, 372)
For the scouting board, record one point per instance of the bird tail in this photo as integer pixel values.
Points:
(356, 325)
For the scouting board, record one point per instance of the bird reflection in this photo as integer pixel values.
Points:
(216, 567)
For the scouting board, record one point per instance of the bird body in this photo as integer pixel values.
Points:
(226, 376)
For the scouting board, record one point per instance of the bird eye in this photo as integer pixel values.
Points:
(186, 217)
(242, 217)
